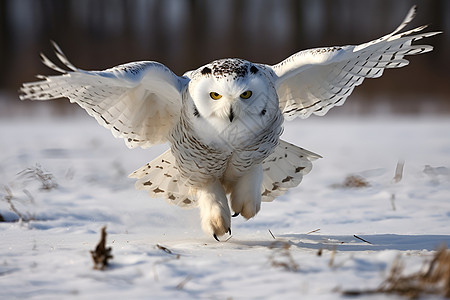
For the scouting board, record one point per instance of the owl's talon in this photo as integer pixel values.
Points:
(215, 236)
(235, 215)
(229, 231)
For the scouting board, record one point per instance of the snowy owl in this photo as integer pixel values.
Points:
(224, 120)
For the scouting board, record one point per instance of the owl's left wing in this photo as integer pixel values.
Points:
(313, 81)
(139, 102)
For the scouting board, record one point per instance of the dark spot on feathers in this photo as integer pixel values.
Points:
(263, 112)
(158, 190)
(172, 197)
(266, 192)
(187, 201)
(253, 69)
(275, 186)
(236, 68)
(298, 169)
(106, 122)
(196, 113)
(148, 183)
(288, 178)
(206, 70)
(159, 167)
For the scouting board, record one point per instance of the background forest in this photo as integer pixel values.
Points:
(187, 34)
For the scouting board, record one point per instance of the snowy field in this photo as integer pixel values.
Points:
(315, 254)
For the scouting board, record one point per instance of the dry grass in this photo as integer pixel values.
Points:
(352, 181)
(9, 197)
(17, 202)
(434, 280)
(281, 256)
(46, 179)
(399, 171)
(101, 255)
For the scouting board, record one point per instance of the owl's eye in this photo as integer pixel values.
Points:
(246, 94)
(215, 96)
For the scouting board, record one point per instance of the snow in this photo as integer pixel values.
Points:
(46, 255)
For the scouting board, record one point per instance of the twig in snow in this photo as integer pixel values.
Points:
(362, 239)
(272, 234)
(333, 254)
(393, 202)
(101, 254)
(312, 231)
(399, 171)
(167, 250)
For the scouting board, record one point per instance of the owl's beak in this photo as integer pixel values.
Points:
(231, 115)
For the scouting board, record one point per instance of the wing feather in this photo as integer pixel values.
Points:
(285, 169)
(161, 178)
(313, 81)
(139, 102)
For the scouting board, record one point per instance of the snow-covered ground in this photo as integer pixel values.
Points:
(46, 255)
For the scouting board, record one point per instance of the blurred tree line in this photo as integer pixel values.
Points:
(184, 34)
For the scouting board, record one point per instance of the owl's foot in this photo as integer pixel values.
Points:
(235, 215)
(214, 210)
(246, 194)
(217, 239)
(216, 220)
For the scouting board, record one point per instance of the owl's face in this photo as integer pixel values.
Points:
(229, 90)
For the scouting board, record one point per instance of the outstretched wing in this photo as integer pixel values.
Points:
(313, 81)
(139, 102)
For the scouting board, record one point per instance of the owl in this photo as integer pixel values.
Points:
(223, 121)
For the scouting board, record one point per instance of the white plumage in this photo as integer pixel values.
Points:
(224, 120)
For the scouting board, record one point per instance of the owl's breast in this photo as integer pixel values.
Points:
(238, 147)
(197, 161)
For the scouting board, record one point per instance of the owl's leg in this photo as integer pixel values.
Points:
(246, 193)
(214, 209)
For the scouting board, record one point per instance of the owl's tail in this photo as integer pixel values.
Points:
(161, 179)
(284, 169)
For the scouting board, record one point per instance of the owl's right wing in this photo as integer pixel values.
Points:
(139, 102)
(313, 81)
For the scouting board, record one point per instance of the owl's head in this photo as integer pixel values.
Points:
(230, 89)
